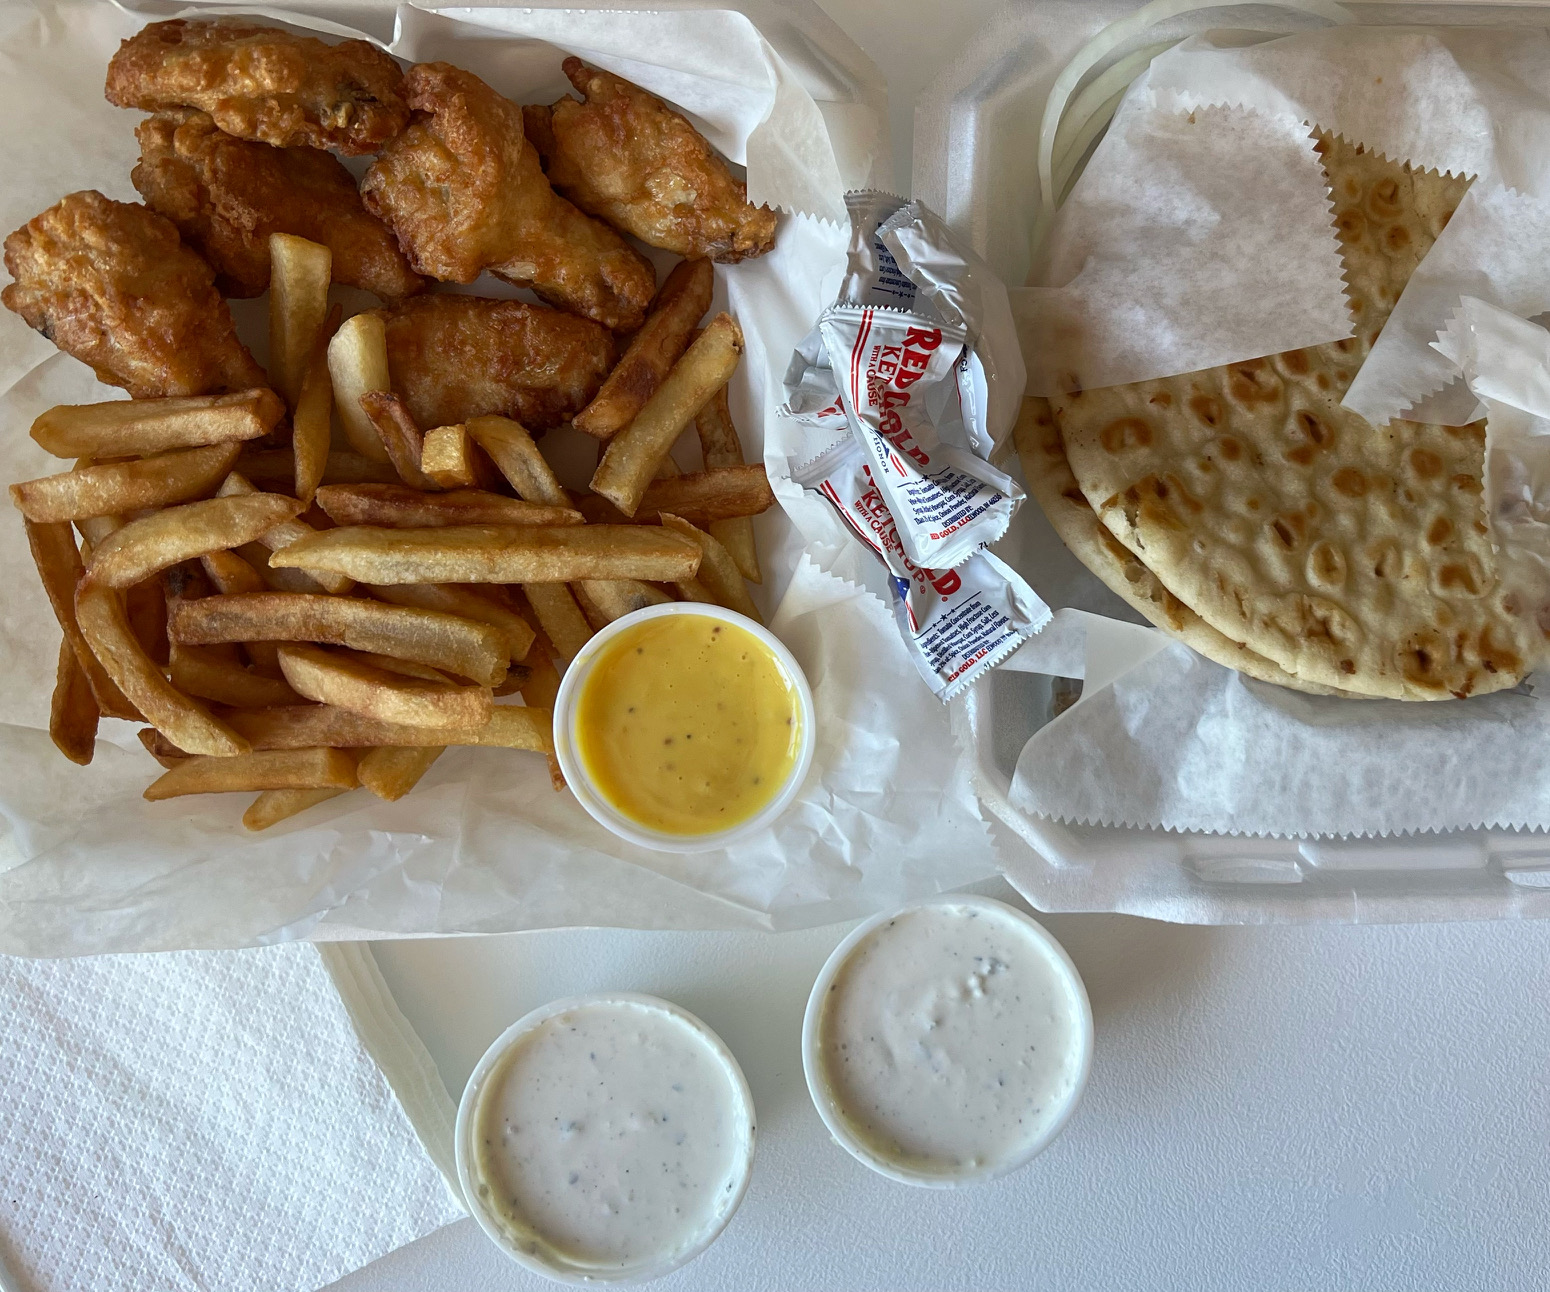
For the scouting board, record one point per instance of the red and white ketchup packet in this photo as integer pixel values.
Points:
(957, 623)
(898, 381)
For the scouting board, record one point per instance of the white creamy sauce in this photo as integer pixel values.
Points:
(950, 1039)
(612, 1134)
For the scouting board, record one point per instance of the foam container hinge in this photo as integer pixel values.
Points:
(975, 160)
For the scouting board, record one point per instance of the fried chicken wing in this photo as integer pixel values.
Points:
(453, 357)
(227, 195)
(264, 83)
(112, 284)
(627, 157)
(464, 191)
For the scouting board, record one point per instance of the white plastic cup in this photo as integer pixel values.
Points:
(604, 812)
(822, 1093)
(553, 1265)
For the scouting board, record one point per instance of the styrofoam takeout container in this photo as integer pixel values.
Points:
(976, 137)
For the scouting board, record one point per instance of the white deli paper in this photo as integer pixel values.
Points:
(1201, 233)
(483, 844)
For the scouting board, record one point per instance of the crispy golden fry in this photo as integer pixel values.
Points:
(400, 507)
(694, 590)
(351, 683)
(401, 438)
(393, 770)
(145, 605)
(264, 83)
(146, 546)
(721, 446)
(184, 720)
(700, 497)
(561, 618)
(94, 529)
(718, 571)
(228, 195)
(540, 690)
(60, 569)
(300, 726)
(160, 748)
(466, 603)
(273, 806)
(273, 470)
(605, 600)
(284, 534)
(517, 458)
(112, 285)
(403, 667)
(300, 272)
(679, 306)
(199, 670)
(633, 454)
(272, 769)
(358, 364)
(230, 573)
(126, 486)
(472, 650)
(464, 191)
(494, 553)
(134, 427)
(312, 425)
(451, 458)
(626, 156)
(73, 712)
(455, 357)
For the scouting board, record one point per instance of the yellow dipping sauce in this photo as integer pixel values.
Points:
(688, 724)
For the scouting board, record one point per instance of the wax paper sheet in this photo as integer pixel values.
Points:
(484, 844)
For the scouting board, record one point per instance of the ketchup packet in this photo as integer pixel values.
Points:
(957, 623)
(898, 381)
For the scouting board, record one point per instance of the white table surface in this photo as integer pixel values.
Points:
(1281, 1108)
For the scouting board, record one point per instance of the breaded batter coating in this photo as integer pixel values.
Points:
(227, 195)
(113, 285)
(264, 83)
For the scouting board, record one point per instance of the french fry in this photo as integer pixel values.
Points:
(301, 726)
(403, 667)
(73, 712)
(270, 769)
(312, 423)
(605, 600)
(517, 458)
(160, 748)
(184, 720)
(633, 454)
(126, 486)
(560, 617)
(149, 545)
(452, 458)
(350, 683)
(231, 574)
(132, 427)
(718, 571)
(700, 497)
(284, 534)
(401, 439)
(694, 590)
(299, 274)
(400, 507)
(393, 770)
(494, 553)
(681, 302)
(472, 650)
(721, 446)
(59, 568)
(145, 605)
(201, 671)
(273, 806)
(667, 469)
(94, 529)
(357, 363)
(540, 690)
(274, 470)
(467, 603)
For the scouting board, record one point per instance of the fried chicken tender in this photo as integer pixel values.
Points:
(112, 284)
(227, 195)
(452, 357)
(464, 191)
(264, 83)
(627, 157)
